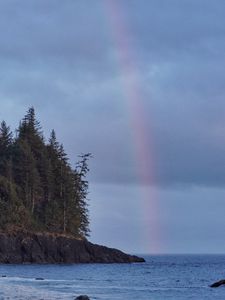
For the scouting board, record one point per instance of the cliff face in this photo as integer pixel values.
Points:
(45, 248)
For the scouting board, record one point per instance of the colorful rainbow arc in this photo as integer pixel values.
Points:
(133, 96)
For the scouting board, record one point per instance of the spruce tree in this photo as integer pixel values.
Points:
(81, 186)
(38, 187)
(6, 139)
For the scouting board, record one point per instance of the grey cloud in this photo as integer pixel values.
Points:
(48, 30)
(61, 58)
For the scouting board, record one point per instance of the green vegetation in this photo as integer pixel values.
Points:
(39, 191)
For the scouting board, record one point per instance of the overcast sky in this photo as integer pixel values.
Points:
(141, 85)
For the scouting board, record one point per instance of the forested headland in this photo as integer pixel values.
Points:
(43, 201)
(39, 190)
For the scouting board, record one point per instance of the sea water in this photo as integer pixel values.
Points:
(161, 277)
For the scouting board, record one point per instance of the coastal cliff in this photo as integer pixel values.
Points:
(46, 248)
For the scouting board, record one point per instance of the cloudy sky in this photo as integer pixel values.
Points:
(140, 85)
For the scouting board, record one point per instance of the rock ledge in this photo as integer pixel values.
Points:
(46, 248)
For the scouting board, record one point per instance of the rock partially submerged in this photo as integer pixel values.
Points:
(218, 283)
(28, 247)
(82, 297)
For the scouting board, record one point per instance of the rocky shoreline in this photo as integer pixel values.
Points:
(44, 248)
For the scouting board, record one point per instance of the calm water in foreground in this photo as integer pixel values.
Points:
(161, 277)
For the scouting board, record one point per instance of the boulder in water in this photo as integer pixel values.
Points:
(218, 283)
(82, 297)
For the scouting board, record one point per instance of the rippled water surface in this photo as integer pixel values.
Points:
(161, 277)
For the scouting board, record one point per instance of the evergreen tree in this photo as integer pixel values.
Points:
(81, 187)
(38, 188)
(5, 148)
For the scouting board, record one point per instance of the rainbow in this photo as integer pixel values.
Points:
(142, 138)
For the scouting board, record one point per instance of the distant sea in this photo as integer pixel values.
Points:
(161, 277)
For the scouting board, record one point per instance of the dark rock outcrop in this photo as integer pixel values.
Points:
(82, 297)
(27, 247)
(218, 283)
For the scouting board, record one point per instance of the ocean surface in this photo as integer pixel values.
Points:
(161, 277)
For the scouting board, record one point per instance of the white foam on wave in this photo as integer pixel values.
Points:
(19, 292)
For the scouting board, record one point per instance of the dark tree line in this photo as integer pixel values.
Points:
(38, 188)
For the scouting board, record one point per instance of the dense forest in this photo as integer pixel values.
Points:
(39, 190)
